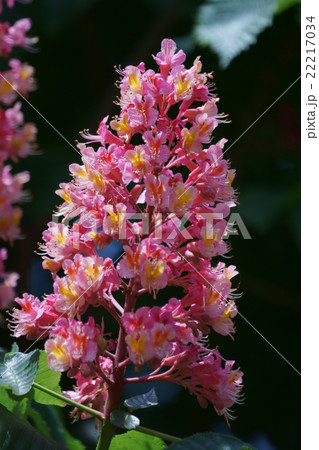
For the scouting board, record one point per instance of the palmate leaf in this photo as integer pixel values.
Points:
(231, 26)
(210, 441)
(18, 370)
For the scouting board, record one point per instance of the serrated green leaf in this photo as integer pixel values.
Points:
(231, 26)
(142, 401)
(136, 440)
(18, 370)
(124, 420)
(210, 441)
(49, 379)
(18, 434)
(16, 404)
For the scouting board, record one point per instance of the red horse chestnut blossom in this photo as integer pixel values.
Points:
(151, 179)
(17, 140)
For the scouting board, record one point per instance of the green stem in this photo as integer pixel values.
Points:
(164, 436)
(67, 400)
(106, 436)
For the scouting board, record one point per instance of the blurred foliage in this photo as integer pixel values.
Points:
(75, 70)
(17, 434)
(230, 27)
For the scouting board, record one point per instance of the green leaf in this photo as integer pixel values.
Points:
(18, 434)
(54, 420)
(282, 5)
(18, 370)
(38, 421)
(122, 419)
(17, 404)
(136, 440)
(142, 401)
(231, 26)
(49, 379)
(210, 441)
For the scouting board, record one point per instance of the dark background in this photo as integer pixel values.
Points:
(80, 42)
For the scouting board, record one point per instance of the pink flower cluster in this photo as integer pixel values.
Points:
(11, 193)
(158, 185)
(91, 389)
(8, 281)
(17, 139)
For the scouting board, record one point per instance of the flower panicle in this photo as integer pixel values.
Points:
(153, 179)
(17, 138)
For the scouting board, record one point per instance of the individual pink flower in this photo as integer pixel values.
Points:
(212, 379)
(142, 112)
(157, 191)
(129, 265)
(135, 164)
(10, 194)
(150, 334)
(71, 342)
(181, 198)
(17, 140)
(15, 36)
(35, 317)
(157, 149)
(167, 59)
(19, 79)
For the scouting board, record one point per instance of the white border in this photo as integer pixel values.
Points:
(309, 224)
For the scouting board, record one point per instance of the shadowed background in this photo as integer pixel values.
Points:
(80, 42)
